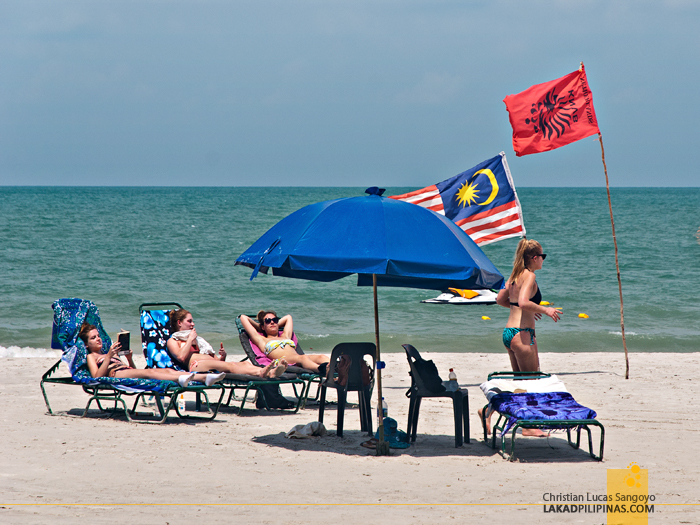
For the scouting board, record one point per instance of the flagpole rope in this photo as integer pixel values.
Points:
(617, 263)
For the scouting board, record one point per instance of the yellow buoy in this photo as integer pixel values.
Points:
(545, 303)
(583, 316)
(485, 318)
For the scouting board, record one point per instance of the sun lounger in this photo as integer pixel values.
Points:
(535, 400)
(258, 358)
(154, 337)
(69, 315)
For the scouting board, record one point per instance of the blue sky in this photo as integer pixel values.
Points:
(333, 93)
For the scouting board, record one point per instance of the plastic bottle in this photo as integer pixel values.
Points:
(452, 384)
(181, 402)
(385, 408)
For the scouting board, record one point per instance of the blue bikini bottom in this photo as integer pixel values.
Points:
(510, 333)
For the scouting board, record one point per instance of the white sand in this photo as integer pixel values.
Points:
(61, 469)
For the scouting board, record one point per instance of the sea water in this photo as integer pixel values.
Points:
(120, 247)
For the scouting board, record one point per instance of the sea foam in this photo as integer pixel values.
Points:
(28, 351)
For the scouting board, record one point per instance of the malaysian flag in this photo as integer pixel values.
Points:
(482, 201)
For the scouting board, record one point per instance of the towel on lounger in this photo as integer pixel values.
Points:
(204, 347)
(69, 315)
(539, 406)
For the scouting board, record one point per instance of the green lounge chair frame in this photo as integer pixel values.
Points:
(108, 393)
(304, 374)
(234, 382)
(568, 424)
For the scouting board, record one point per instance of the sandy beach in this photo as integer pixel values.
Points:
(68, 469)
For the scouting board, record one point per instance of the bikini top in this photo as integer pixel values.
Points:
(277, 343)
(114, 363)
(537, 298)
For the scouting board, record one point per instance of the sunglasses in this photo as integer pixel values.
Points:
(543, 255)
(270, 320)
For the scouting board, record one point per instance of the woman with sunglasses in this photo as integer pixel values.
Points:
(522, 297)
(194, 354)
(278, 345)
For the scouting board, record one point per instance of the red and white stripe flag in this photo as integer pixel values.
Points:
(482, 201)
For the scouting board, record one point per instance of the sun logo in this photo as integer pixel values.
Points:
(633, 477)
(467, 194)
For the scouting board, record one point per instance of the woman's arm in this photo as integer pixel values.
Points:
(503, 298)
(182, 352)
(222, 353)
(287, 326)
(527, 288)
(130, 359)
(252, 332)
(103, 369)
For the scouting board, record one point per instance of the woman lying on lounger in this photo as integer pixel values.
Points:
(280, 346)
(110, 365)
(196, 355)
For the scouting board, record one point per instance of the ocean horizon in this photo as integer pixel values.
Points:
(120, 246)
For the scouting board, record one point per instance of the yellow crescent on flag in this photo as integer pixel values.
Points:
(494, 185)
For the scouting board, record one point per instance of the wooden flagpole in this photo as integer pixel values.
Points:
(617, 263)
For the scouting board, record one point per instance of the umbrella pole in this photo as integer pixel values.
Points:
(382, 446)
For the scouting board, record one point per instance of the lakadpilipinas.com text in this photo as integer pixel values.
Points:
(592, 503)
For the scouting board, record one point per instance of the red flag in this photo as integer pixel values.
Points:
(550, 115)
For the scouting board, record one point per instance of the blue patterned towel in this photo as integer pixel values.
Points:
(68, 316)
(154, 336)
(533, 406)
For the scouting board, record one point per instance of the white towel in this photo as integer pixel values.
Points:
(546, 384)
(204, 347)
(306, 431)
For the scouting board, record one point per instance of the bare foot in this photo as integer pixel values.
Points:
(280, 369)
(534, 432)
(488, 421)
(265, 372)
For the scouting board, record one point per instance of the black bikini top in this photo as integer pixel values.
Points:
(537, 298)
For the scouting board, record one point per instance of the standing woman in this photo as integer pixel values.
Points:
(522, 296)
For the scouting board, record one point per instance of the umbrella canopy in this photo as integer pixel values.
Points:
(385, 241)
(402, 244)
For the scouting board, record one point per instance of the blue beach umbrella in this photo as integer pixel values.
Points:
(385, 242)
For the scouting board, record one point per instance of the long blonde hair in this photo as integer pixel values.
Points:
(526, 250)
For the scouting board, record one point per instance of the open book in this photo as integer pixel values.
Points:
(124, 339)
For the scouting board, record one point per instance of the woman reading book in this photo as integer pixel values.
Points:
(111, 365)
(196, 355)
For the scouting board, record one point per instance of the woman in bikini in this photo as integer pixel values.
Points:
(522, 296)
(280, 346)
(111, 365)
(193, 353)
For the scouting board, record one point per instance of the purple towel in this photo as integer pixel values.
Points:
(531, 406)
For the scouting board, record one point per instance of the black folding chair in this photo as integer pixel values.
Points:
(418, 390)
(356, 352)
